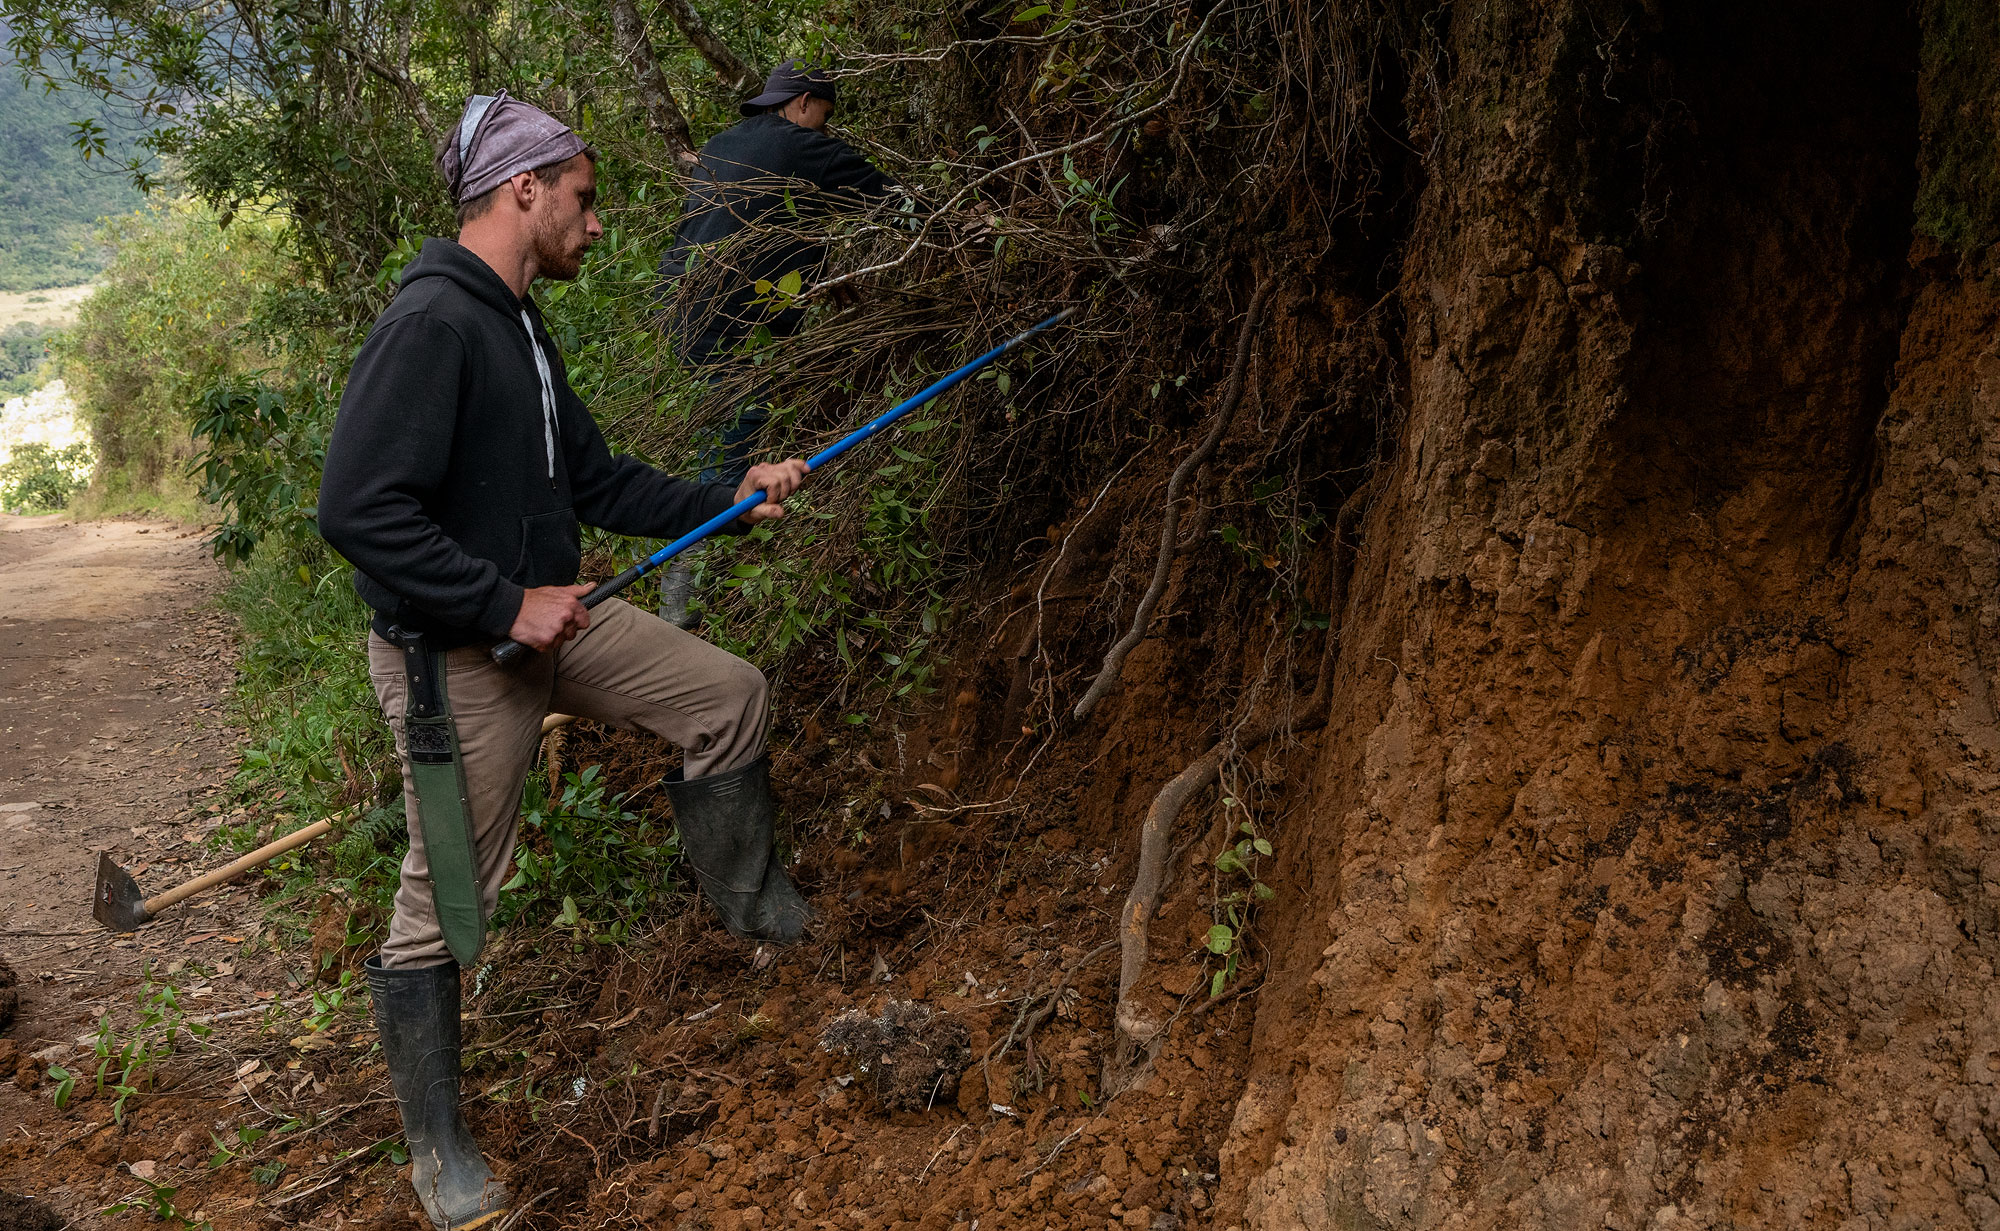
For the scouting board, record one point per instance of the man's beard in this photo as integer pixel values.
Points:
(554, 257)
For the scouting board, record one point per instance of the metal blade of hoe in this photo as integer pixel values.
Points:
(118, 903)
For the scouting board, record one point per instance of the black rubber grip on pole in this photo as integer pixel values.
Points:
(510, 651)
(507, 652)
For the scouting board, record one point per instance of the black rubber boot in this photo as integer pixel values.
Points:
(725, 823)
(416, 1013)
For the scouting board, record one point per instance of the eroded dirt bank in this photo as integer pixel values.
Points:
(1652, 853)
(1639, 871)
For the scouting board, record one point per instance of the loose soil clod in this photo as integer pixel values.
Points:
(18, 1213)
(910, 1057)
(10, 996)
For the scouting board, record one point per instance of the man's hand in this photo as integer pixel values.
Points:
(776, 480)
(550, 615)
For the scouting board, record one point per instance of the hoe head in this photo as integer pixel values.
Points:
(118, 903)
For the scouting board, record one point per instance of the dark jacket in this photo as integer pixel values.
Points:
(437, 484)
(764, 180)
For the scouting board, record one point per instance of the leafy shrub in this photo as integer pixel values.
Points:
(38, 478)
(164, 325)
(24, 356)
(261, 451)
(585, 862)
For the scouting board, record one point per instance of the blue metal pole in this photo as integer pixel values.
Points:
(508, 651)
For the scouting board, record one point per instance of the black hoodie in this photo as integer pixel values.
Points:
(773, 182)
(447, 486)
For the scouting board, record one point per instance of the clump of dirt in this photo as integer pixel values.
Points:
(339, 929)
(17, 1067)
(18, 1213)
(910, 1057)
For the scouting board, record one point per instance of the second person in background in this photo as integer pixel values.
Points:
(761, 188)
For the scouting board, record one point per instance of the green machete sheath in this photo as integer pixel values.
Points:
(443, 815)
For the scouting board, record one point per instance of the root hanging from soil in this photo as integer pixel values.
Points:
(1232, 393)
(1134, 1032)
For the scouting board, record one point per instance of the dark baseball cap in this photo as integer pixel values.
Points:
(787, 82)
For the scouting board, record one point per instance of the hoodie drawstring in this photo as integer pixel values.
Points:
(548, 395)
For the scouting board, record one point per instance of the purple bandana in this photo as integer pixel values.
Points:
(498, 138)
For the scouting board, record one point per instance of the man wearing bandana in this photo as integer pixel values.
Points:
(459, 469)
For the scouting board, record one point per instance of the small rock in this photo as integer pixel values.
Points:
(10, 998)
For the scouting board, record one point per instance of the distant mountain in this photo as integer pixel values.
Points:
(50, 198)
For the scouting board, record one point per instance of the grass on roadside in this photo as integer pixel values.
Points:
(316, 743)
(315, 739)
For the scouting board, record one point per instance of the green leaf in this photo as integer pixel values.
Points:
(1215, 984)
(1263, 891)
(1004, 381)
(789, 285)
(65, 1085)
(1032, 12)
(1263, 847)
(1220, 938)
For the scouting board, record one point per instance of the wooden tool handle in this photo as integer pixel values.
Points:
(263, 854)
(271, 850)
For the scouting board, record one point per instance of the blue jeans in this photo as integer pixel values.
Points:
(729, 459)
(726, 461)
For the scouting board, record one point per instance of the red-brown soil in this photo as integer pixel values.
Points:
(117, 672)
(679, 1080)
(1639, 870)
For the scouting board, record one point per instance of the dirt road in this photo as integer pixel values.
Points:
(115, 665)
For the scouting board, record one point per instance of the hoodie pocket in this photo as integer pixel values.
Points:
(550, 555)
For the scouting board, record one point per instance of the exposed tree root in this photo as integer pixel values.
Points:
(1136, 1033)
(1232, 393)
(555, 741)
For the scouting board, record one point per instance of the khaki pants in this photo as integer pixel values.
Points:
(629, 670)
